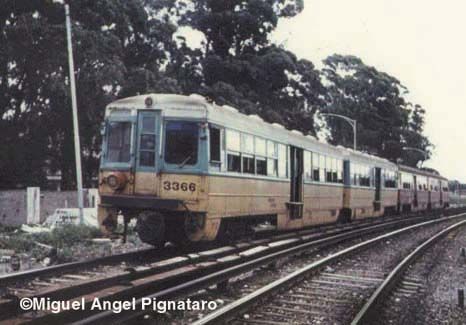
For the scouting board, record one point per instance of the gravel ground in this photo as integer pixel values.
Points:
(441, 271)
(357, 265)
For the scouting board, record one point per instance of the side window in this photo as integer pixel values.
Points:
(247, 143)
(272, 158)
(147, 141)
(322, 168)
(215, 143)
(282, 160)
(233, 143)
(261, 154)
(248, 164)
(328, 169)
(307, 165)
(315, 167)
(340, 170)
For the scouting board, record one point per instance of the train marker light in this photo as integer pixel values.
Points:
(148, 101)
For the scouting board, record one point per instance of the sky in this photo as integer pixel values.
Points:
(420, 42)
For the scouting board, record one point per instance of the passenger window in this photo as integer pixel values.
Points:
(272, 167)
(315, 167)
(272, 162)
(215, 144)
(247, 143)
(260, 147)
(234, 163)
(233, 140)
(181, 143)
(248, 164)
(272, 149)
(282, 160)
(261, 166)
(307, 165)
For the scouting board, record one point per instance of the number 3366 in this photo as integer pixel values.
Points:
(176, 186)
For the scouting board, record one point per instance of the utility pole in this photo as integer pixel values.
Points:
(77, 145)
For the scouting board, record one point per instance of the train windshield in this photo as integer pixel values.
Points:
(118, 142)
(181, 143)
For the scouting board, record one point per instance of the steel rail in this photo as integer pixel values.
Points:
(201, 282)
(72, 266)
(230, 311)
(367, 312)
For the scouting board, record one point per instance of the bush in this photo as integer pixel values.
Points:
(70, 235)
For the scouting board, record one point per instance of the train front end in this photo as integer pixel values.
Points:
(151, 168)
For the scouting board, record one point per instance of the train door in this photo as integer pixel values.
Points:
(296, 183)
(415, 202)
(378, 185)
(144, 169)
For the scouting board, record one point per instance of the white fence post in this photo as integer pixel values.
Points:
(33, 205)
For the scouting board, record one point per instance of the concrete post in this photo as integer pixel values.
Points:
(33, 205)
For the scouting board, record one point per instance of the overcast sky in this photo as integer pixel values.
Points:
(421, 42)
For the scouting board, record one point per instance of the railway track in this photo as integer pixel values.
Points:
(184, 279)
(150, 255)
(178, 276)
(333, 289)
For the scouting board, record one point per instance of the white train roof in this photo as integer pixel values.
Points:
(196, 106)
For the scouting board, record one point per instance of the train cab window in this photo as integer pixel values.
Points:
(315, 167)
(215, 144)
(181, 143)
(248, 164)
(119, 142)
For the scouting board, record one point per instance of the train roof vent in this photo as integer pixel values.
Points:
(297, 132)
(230, 108)
(256, 117)
(278, 125)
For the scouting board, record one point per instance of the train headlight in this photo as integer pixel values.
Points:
(116, 181)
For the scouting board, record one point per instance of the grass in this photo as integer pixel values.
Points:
(65, 241)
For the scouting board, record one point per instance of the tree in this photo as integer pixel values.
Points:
(387, 122)
(239, 66)
(114, 42)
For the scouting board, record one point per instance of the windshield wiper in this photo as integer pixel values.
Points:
(184, 161)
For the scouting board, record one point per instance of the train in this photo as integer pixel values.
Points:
(189, 170)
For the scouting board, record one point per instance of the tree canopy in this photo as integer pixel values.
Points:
(387, 124)
(128, 47)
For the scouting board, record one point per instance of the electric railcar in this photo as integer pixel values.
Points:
(190, 170)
